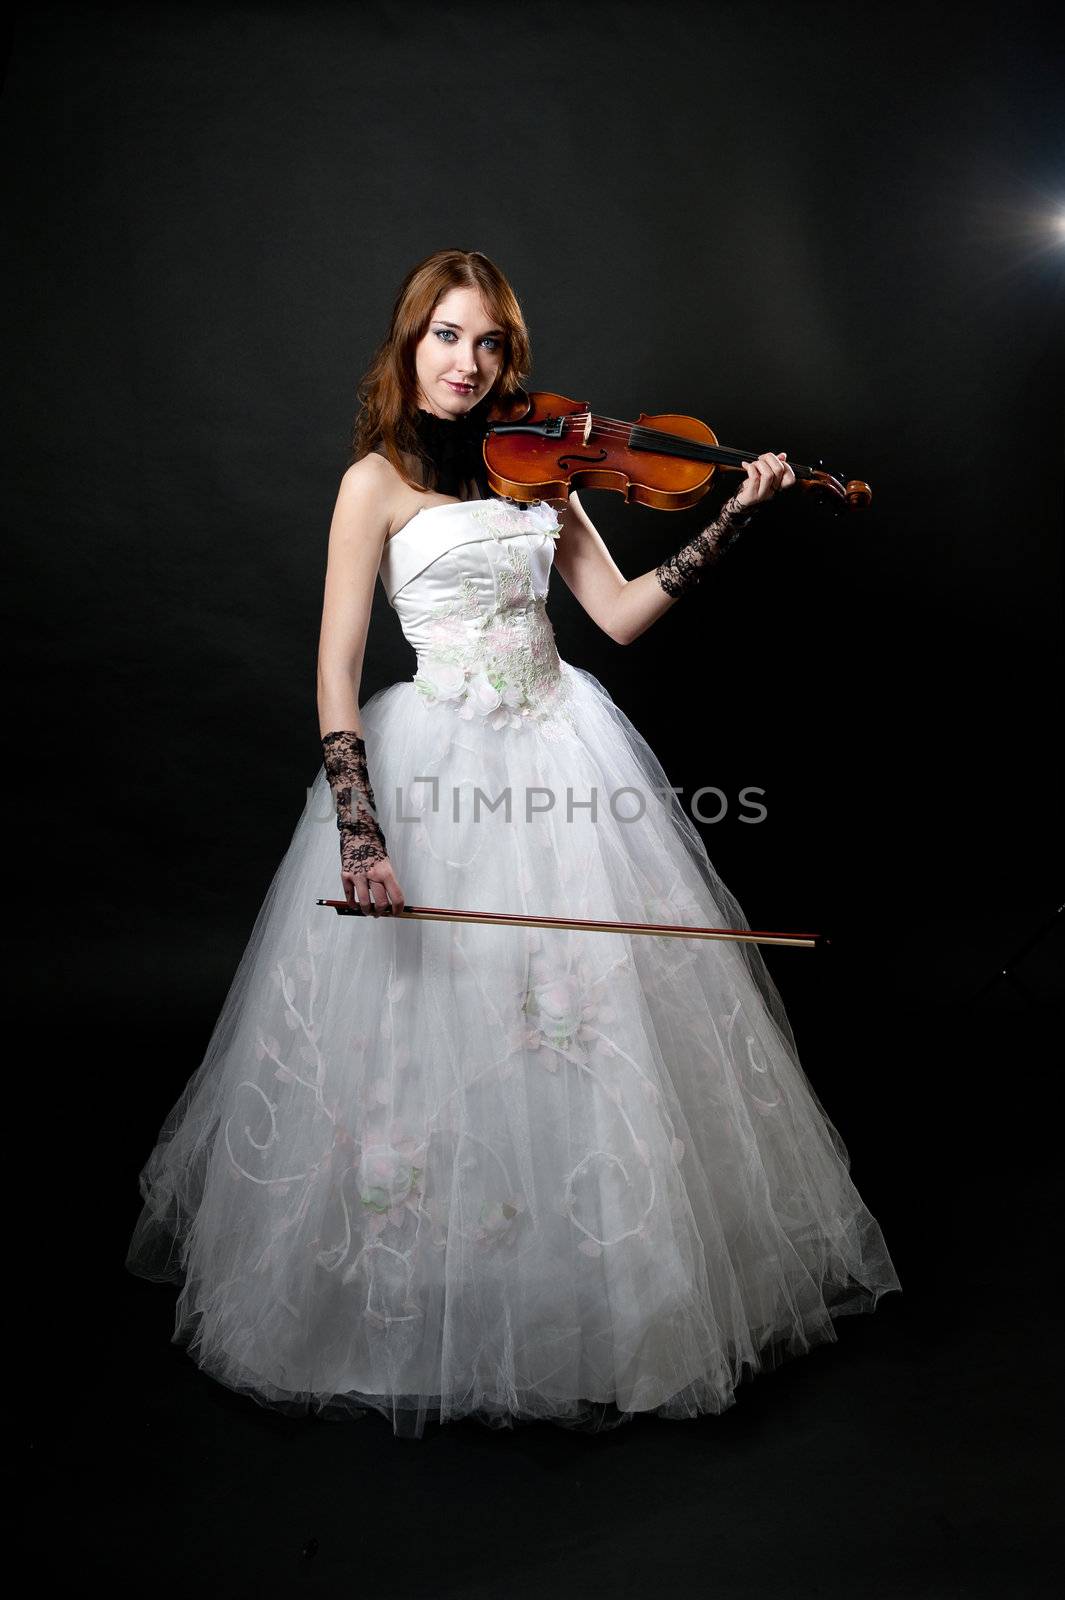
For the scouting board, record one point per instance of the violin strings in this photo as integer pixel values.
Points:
(612, 427)
(616, 425)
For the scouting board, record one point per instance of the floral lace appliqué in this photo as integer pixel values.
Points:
(499, 662)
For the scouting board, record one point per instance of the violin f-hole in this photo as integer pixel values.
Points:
(564, 461)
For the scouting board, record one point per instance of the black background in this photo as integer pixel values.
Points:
(822, 228)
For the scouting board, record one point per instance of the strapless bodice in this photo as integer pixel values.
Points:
(468, 581)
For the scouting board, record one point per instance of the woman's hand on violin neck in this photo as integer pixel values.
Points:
(765, 478)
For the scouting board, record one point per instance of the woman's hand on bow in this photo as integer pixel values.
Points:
(765, 478)
(371, 884)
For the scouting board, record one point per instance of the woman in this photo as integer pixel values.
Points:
(436, 1169)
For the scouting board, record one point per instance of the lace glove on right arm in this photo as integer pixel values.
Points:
(361, 841)
(684, 570)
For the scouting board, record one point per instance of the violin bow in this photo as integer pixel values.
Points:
(661, 930)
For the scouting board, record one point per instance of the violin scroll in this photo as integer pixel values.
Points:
(854, 493)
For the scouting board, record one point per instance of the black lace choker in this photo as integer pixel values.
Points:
(454, 448)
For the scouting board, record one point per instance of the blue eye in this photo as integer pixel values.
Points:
(447, 334)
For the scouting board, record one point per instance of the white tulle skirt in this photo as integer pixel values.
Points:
(440, 1170)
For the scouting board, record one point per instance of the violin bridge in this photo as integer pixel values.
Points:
(587, 428)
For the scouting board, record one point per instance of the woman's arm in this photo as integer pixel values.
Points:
(356, 540)
(360, 526)
(626, 607)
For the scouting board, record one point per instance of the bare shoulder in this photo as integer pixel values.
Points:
(369, 497)
(371, 478)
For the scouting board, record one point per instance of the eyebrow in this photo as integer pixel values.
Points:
(458, 327)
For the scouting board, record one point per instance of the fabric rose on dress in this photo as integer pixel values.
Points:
(482, 697)
(558, 1014)
(441, 680)
(388, 1181)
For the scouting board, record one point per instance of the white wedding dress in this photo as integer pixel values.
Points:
(443, 1170)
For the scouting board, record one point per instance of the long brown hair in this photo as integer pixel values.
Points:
(388, 391)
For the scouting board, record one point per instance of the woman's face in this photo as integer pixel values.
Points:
(458, 359)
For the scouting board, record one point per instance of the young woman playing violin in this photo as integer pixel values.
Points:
(443, 377)
(434, 1169)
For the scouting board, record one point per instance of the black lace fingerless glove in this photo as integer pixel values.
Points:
(361, 841)
(684, 570)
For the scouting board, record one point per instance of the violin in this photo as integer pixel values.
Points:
(543, 445)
